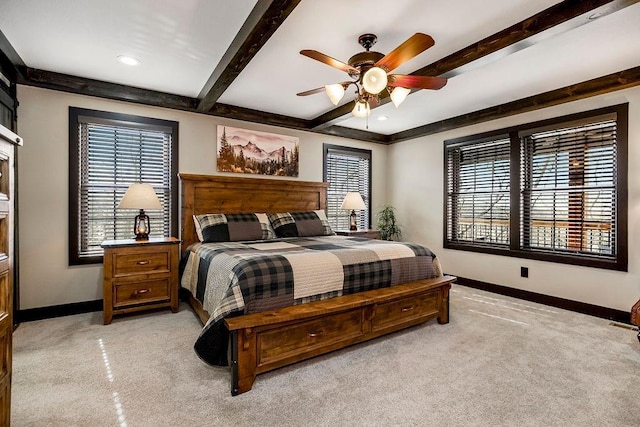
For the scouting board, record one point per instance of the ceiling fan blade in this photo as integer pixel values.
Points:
(413, 46)
(417, 82)
(311, 91)
(321, 89)
(325, 59)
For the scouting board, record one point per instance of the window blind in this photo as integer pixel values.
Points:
(569, 189)
(111, 158)
(478, 199)
(347, 171)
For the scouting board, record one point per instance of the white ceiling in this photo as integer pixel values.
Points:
(180, 43)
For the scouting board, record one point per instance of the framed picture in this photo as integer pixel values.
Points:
(253, 152)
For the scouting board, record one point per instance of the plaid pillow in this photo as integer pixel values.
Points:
(300, 224)
(233, 227)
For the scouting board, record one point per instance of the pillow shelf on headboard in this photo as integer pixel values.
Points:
(210, 194)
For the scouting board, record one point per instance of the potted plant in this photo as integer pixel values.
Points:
(389, 228)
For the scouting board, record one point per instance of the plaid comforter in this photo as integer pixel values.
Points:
(235, 278)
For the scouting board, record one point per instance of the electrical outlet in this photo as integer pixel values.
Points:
(524, 271)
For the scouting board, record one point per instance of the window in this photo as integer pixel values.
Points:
(107, 153)
(479, 192)
(347, 169)
(553, 190)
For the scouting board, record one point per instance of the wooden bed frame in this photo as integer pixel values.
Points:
(261, 342)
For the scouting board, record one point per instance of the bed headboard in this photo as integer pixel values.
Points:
(202, 194)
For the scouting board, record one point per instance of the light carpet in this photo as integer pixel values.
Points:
(499, 362)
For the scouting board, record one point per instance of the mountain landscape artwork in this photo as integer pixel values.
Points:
(249, 151)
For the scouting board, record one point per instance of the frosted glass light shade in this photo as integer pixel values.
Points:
(398, 95)
(353, 200)
(335, 92)
(361, 109)
(374, 80)
(140, 196)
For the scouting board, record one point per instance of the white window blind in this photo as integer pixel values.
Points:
(569, 189)
(347, 170)
(112, 157)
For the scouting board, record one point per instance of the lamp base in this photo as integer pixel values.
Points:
(141, 226)
(353, 226)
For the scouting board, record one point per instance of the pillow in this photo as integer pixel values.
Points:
(233, 227)
(300, 224)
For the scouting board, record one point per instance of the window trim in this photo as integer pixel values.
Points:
(362, 151)
(621, 260)
(76, 115)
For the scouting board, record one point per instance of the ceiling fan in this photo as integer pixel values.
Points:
(371, 69)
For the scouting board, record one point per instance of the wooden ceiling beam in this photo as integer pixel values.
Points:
(263, 21)
(598, 86)
(101, 89)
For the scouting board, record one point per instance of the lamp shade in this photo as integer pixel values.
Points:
(140, 196)
(398, 95)
(374, 80)
(335, 92)
(353, 200)
(361, 109)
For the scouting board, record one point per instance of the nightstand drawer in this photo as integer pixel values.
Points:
(135, 293)
(125, 264)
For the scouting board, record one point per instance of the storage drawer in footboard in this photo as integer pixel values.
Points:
(308, 338)
(399, 313)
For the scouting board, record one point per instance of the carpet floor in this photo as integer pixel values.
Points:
(499, 362)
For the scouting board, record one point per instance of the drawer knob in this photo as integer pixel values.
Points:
(408, 308)
(315, 334)
(141, 292)
(142, 262)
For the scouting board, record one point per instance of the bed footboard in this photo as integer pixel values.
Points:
(265, 341)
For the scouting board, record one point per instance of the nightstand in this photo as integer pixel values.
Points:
(366, 233)
(140, 275)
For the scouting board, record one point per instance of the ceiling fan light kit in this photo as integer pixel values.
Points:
(369, 71)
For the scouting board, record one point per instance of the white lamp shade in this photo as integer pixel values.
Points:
(398, 95)
(140, 196)
(361, 109)
(374, 80)
(335, 92)
(353, 201)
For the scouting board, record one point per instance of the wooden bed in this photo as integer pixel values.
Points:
(264, 341)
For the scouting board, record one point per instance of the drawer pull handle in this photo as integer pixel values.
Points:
(408, 308)
(142, 291)
(142, 262)
(316, 334)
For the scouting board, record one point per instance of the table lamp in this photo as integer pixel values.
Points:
(140, 196)
(353, 201)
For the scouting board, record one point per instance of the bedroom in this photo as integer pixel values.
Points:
(407, 175)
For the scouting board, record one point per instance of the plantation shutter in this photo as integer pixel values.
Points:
(478, 199)
(347, 171)
(569, 189)
(112, 157)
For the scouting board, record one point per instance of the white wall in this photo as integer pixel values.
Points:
(415, 188)
(43, 121)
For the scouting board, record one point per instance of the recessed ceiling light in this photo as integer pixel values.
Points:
(382, 118)
(129, 60)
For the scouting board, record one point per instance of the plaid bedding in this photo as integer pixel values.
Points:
(235, 278)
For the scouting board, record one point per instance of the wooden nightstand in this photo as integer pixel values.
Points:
(366, 233)
(140, 275)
